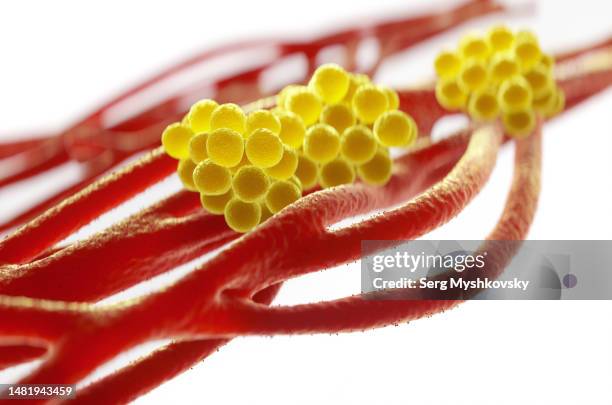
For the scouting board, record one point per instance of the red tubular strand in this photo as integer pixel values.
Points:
(11, 355)
(11, 148)
(564, 56)
(358, 313)
(80, 209)
(113, 264)
(147, 373)
(38, 159)
(422, 105)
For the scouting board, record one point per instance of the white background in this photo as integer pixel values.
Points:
(60, 59)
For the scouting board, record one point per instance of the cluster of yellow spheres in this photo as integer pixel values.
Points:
(501, 74)
(249, 166)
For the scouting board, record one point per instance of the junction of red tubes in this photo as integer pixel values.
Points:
(46, 289)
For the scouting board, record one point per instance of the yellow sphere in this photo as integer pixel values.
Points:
(558, 103)
(292, 130)
(175, 140)
(199, 115)
(305, 103)
(395, 128)
(262, 119)
(540, 80)
(472, 46)
(197, 147)
(500, 38)
(527, 49)
(474, 75)
(330, 82)
(286, 167)
(250, 183)
(369, 102)
(264, 148)
(519, 123)
(281, 194)
(322, 143)
(212, 179)
(514, 94)
(547, 60)
(392, 97)
(338, 116)
(281, 97)
(358, 144)
(448, 64)
(307, 172)
(502, 67)
(544, 103)
(185, 121)
(483, 105)
(225, 147)
(185, 170)
(337, 172)
(355, 80)
(450, 95)
(242, 216)
(228, 116)
(378, 170)
(215, 204)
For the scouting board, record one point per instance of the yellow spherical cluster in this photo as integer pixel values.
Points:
(248, 167)
(502, 74)
(348, 120)
(234, 158)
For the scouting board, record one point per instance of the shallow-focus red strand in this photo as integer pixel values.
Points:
(16, 354)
